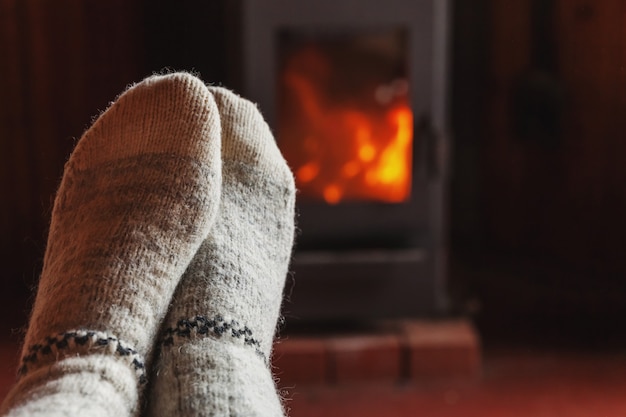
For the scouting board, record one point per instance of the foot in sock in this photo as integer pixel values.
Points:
(218, 334)
(138, 197)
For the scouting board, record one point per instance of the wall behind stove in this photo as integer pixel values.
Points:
(537, 219)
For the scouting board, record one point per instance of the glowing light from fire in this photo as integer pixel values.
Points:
(351, 169)
(367, 153)
(344, 149)
(332, 194)
(308, 172)
(391, 167)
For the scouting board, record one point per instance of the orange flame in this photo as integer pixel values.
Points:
(342, 148)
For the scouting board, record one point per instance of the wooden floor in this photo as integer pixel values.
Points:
(514, 383)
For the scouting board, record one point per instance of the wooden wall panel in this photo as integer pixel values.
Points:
(563, 201)
(504, 159)
(591, 56)
(62, 62)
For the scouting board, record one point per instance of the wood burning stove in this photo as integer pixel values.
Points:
(355, 92)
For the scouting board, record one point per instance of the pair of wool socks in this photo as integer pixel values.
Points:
(221, 324)
(170, 237)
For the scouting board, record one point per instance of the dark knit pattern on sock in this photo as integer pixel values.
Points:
(81, 342)
(216, 327)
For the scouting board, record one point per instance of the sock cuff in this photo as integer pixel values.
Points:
(81, 342)
(216, 327)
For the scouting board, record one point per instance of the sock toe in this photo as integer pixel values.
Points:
(147, 118)
(248, 139)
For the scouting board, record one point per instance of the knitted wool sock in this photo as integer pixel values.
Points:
(218, 334)
(138, 197)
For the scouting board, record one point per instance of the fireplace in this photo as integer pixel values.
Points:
(355, 92)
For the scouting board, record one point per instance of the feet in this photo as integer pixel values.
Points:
(138, 196)
(173, 180)
(219, 331)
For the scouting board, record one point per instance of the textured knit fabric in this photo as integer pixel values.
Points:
(218, 334)
(138, 197)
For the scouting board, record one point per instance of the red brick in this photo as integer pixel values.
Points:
(301, 360)
(365, 358)
(442, 349)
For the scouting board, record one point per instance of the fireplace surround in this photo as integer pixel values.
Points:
(365, 81)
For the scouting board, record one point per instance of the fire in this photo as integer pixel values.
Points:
(344, 146)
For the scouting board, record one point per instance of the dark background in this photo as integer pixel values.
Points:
(538, 97)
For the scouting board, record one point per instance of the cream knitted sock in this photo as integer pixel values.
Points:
(138, 197)
(218, 334)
